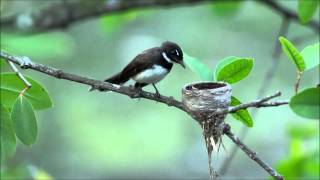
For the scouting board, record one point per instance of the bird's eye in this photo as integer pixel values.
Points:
(177, 52)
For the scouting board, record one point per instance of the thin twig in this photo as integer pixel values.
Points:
(253, 155)
(256, 103)
(20, 76)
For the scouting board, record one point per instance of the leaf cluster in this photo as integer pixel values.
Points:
(18, 117)
(231, 69)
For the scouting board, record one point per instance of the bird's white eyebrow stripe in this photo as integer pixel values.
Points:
(177, 52)
(164, 55)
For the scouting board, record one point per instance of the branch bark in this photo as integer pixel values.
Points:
(60, 74)
(26, 63)
(62, 15)
(253, 155)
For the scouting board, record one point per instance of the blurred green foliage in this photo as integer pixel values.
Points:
(26, 172)
(8, 139)
(303, 159)
(307, 9)
(226, 8)
(310, 55)
(55, 46)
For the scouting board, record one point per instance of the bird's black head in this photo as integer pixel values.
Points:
(172, 53)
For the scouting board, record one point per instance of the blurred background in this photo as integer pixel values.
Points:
(94, 135)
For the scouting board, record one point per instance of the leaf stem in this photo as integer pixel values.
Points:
(24, 90)
(296, 86)
(20, 76)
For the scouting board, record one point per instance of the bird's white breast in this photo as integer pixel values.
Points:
(152, 75)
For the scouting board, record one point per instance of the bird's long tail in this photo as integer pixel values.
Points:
(115, 79)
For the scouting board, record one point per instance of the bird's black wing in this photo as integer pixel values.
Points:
(142, 61)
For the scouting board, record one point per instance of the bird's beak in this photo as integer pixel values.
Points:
(182, 64)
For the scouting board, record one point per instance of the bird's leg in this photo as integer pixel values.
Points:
(157, 92)
(139, 86)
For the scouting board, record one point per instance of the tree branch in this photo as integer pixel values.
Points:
(259, 103)
(287, 13)
(60, 16)
(26, 63)
(253, 155)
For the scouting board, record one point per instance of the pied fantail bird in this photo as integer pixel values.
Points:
(150, 66)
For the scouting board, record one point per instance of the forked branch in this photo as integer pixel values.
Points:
(253, 155)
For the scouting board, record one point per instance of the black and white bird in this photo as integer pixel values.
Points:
(150, 66)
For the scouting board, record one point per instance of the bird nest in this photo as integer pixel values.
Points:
(203, 99)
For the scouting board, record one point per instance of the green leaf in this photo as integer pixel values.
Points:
(233, 69)
(303, 130)
(292, 53)
(19, 171)
(11, 86)
(297, 150)
(7, 138)
(289, 167)
(242, 115)
(226, 8)
(24, 121)
(3, 64)
(306, 103)
(112, 23)
(41, 174)
(198, 67)
(306, 9)
(312, 167)
(310, 55)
